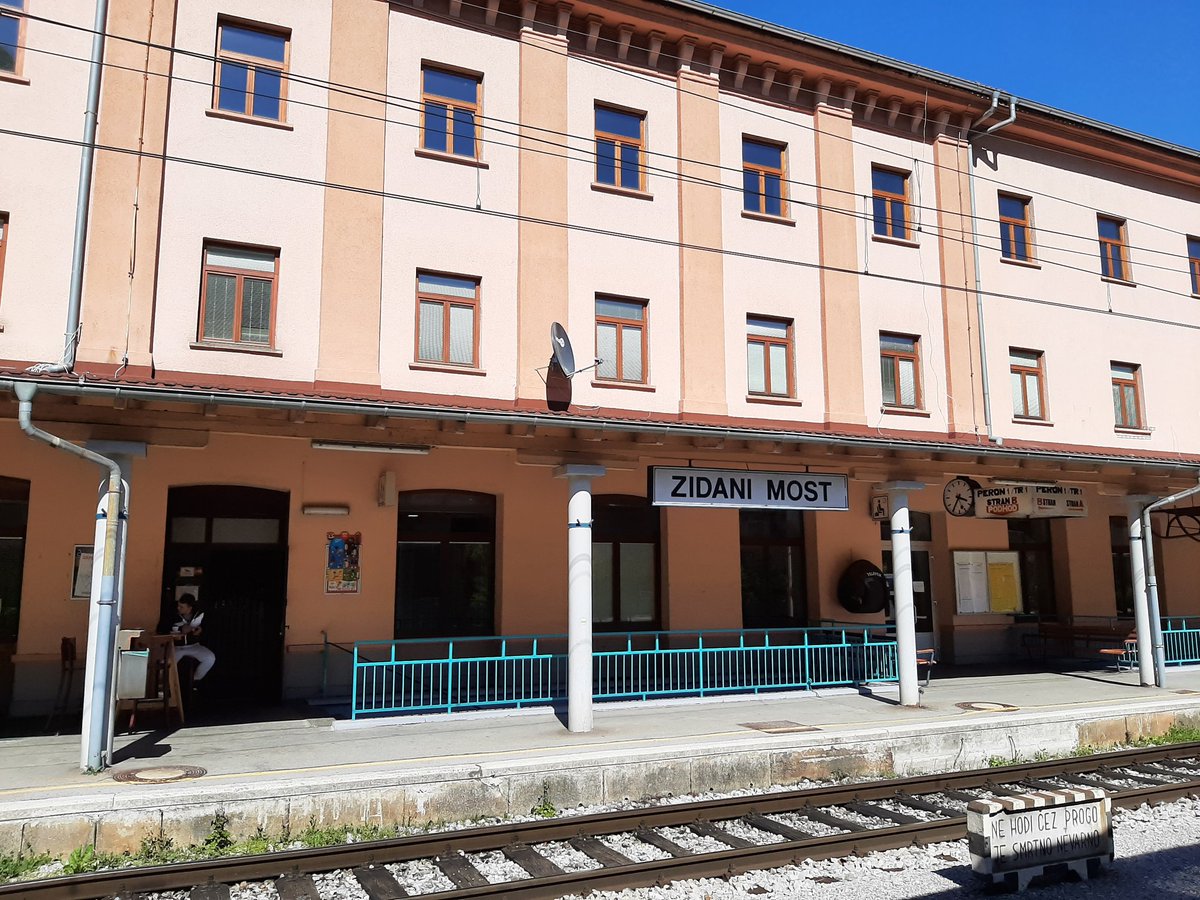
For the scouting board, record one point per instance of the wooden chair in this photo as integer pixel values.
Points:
(67, 667)
(926, 659)
(162, 679)
(1124, 656)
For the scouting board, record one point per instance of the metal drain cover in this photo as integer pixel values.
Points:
(779, 726)
(159, 774)
(986, 706)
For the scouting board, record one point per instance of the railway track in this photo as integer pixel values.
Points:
(633, 848)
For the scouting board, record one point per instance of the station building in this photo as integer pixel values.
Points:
(325, 245)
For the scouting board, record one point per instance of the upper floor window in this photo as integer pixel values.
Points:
(621, 340)
(237, 295)
(1114, 256)
(763, 178)
(1127, 390)
(251, 78)
(900, 368)
(11, 32)
(447, 317)
(620, 143)
(1015, 228)
(450, 111)
(769, 356)
(1194, 263)
(889, 196)
(1025, 372)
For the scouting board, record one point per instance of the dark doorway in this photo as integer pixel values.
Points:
(1031, 539)
(774, 569)
(921, 540)
(445, 564)
(228, 546)
(14, 518)
(625, 554)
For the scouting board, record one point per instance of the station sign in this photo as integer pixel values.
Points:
(1030, 501)
(740, 489)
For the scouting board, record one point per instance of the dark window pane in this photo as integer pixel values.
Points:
(899, 227)
(455, 87)
(606, 162)
(750, 195)
(1012, 207)
(253, 43)
(759, 154)
(630, 176)
(1020, 243)
(620, 123)
(897, 342)
(1110, 228)
(1006, 246)
(9, 29)
(256, 311)
(892, 182)
(464, 132)
(435, 126)
(879, 205)
(774, 195)
(1194, 248)
(266, 93)
(232, 95)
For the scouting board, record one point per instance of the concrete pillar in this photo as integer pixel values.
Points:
(579, 593)
(1141, 608)
(902, 589)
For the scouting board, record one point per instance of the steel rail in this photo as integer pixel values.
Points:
(182, 876)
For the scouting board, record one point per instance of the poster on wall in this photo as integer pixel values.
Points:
(81, 576)
(342, 562)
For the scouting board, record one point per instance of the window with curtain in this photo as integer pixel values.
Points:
(621, 340)
(251, 72)
(900, 367)
(237, 301)
(769, 356)
(625, 552)
(1025, 373)
(447, 317)
(450, 111)
(1015, 230)
(1114, 255)
(620, 143)
(763, 179)
(889, 200)
(1126, 391)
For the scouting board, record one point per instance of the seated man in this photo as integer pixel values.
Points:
(190, 626)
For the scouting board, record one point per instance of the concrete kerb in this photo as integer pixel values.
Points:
(116, 818)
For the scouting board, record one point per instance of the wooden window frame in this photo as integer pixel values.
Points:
(621, 324)
(761, 172)
(1121, 243)
(1138, 423)
(5, 231)
(620, 141)
(1193, 245)
(447, 302)
(889, 232)
(241, 275)
(895, 356)
(1009, 225)
(19, 57)
(451, 104)
(1039, 372)
(253, 63)
(788, 343)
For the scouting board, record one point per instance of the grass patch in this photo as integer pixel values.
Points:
(20, 865)
(1176, 734)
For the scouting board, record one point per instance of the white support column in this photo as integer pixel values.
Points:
(902, 589)
(1141, 608)
(579, 593)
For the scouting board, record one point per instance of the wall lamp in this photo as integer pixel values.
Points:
(412, 449)
(312, 509)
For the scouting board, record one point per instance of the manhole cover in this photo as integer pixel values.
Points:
(1185, 691)
(779, 726)
(986, 706)
(159, 774)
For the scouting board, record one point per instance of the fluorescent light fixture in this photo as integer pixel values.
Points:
(1022, 482)
(328, 509)
(414, 449)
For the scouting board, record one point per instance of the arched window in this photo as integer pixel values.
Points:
(625, 582)
(445, 564)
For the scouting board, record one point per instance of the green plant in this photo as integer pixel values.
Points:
(158, 850)
(20, 865)
(81, 861)
(218, 840)
(545, 809)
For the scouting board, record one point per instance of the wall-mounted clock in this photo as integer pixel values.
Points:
(958, 496)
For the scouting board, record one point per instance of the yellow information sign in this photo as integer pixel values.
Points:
(1003, 587)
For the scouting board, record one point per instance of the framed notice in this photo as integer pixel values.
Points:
(987, 581)
(81, 574)
(342, 553)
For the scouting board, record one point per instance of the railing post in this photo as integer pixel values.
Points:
(354, 685)
(450, 677)
(700, 650)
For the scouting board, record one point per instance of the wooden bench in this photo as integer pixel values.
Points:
(926, 660)
(1125, 655)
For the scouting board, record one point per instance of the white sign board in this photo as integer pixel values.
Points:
(1030, 501)
(739, 489)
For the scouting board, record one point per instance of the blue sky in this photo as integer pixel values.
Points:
(1132, 64)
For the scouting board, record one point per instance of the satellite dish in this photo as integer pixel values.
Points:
(560, 345)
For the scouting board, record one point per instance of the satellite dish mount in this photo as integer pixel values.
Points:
(562, 356)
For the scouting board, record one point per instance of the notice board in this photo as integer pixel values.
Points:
(987, 581)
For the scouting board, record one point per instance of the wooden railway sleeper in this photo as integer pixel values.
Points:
(600, 851)
(921, 803)
(882, 812)
(531, 861)
(708, 829)
(460, 870)
(820, 815)
(378, 883)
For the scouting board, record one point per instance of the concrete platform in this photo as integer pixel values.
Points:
(283, 775)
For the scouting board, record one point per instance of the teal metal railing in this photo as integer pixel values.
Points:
(1181, 643)
(443, 675)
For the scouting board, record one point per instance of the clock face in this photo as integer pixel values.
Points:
(959, 497)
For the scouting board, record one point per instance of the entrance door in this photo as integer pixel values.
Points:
(14, 516)
(228, 546)
(921, 541)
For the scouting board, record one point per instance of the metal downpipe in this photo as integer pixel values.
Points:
(100, 678)
(82, 198)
